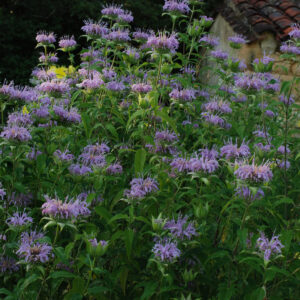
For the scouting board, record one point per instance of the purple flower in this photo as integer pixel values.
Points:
(265, 60)
(256, 173)
(63, 156)
(163, 42)
(209, 153)
(8, 264)
(216, 106)
(95, 28)
(54, 86)
(231, 150)
(96, 149)
(166, 250)
(45, 37)
(115, 86)
(177, 6)
(165, 135)
(2, 192)
(268, 247)
(95, 243)
(283, 164)
(209, 40)
(115, 168)
(295, 32)
(181, 228)
(282, 149)
(50, 58)
(125, 17)
(68, 43)
(72, 115)
(183, 94)
(141, 88)
(180, 164)
(203, 164)
(213, 119)
(237, 39)
(77, 169)
(219, 54)
(133, 53)
(141, 187)
(245, 193)
(19, 199)
(290, 49)
(91, 159)
(68, 209)
(34, 252)
(19, 119)
(119, 35)
(269, 113)
(19, 219)
(284, 99)
(262, 147)
(94, 82)
(141, 35)
(112, 10)
(84, 197)
(16, 133)
(33, 154)
(261, 133)
(239, 99)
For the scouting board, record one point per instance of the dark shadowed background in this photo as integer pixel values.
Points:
(21, 19)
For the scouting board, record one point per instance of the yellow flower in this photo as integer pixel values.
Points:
(25, 110)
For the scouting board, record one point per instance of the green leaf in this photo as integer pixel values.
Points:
(61, 274)
(165, 117)
(103, 212)
(149, 290)
(129, 235)
(29, 280)
(123, 279)
(139, 161)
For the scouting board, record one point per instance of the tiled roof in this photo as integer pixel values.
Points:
(252, 17)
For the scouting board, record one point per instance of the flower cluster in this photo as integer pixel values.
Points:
(140, 188)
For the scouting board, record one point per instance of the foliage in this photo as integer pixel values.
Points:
(125, 177)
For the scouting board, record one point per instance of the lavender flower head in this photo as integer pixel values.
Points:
(163, 42)
(95, 243)
(282, 149)
(166, 135)
(50, 58)
(68, 43)
(140, 188)
(16, 133)
(32, 250)
(141, 88)
(33, 154)
(93, 28)
(2, 192)
(180, 164)
(133, 53)
(256, 173)
(202, 164)
(231, 150)
(219, 54)
(181, 229)
(119, 35)
(213, 119)
(166, 250)
(19, 219)
(295, 32)
(63, 156)
(183, 94)
(268, 247)
(290, 48)
(237, 39)
(19, 119)
(8, 265)
(77, 169)
(285, 100)
(115, 86)
(176, 6)
(19, 199)
(209, 40)
(246, 193)
(217, 106)
(45, 37)
(68, 209)
(112, 10)
(115, 168)
(141, 35)
(125, 17)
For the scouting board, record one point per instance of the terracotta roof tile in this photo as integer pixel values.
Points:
(292, 11)
(253, 17)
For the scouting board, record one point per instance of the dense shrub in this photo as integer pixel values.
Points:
(128, 178)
